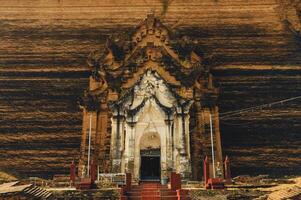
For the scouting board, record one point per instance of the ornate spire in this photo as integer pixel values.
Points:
(127, 57)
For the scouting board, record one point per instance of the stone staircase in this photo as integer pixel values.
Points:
(151, 191)
(38, 193)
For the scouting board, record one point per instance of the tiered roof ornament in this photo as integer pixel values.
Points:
(126, 58)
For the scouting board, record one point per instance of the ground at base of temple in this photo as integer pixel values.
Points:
(253, 188)
(243, 188)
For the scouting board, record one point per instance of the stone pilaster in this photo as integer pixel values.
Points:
(183, 161)
(129, 151)
(197, 148)
(102, 125)
(117, 142)
(169, 144)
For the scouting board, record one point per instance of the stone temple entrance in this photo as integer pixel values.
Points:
(150, 168)
(149, 92)
(150, 157)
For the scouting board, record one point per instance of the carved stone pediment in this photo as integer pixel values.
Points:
(151, 88)
(126, 54)
(128, 57)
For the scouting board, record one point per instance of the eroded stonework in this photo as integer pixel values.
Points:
(150, 97)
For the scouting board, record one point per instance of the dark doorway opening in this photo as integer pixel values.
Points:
(150, 168)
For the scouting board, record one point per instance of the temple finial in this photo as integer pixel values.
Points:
(151, 14)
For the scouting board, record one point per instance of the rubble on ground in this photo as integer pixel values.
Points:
(292, 193)
(5, 177)
(260, 187)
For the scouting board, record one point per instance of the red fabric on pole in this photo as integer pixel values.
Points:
(72, 173)
(227, 170)
(206, 170)
(93, 171)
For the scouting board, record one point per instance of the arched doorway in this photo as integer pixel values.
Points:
(150, 152)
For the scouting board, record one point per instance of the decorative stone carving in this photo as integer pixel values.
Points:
(150, 94)
(290, 14)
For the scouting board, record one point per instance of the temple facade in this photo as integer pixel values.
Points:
(151, 106)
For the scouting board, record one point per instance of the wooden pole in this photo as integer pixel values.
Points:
(89, 147)
(206, 170)
(212, 145)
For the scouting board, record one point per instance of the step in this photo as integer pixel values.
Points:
(153, 198)
(142, 188)
(168, 193)
(169, 197)
(150, 193)
(124, 197)
(151, 184)
(158, 192)
(145, 198)
(145, 189)
(149, 188)
(154, 193)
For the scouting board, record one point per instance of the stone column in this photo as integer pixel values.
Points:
(116, 141)
(102, 125)
(132, 142)
(129, 149)
(187, 137)
(162, 130)
(184, 164)
(175, 143)
(126, 155)
(169, 142)
(180, 133)
(113, 148)
(197, 138)
(187, 162)
(123, 145)
(94, 133)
